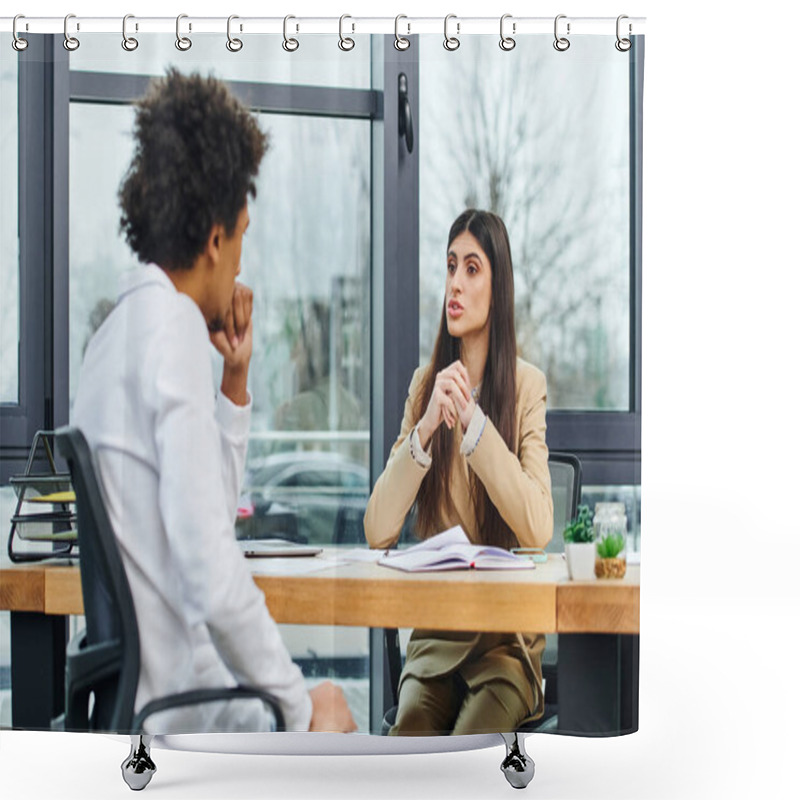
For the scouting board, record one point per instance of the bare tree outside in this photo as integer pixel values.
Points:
(540, 138)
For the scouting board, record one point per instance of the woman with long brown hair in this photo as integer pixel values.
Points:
(471, 451)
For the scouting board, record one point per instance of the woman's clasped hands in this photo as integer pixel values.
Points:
(451, 402)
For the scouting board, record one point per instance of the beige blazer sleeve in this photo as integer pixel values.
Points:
(396, 489)
(519, 483)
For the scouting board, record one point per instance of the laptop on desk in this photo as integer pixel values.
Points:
(265, 548)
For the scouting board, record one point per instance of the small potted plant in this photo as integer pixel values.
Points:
(611, 559)
(579, 546)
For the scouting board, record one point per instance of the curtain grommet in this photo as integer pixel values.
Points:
(345, 42)
(17, 42)
(129, 43)
(70, 43)
(451, 43)
(400, 42)
(623, 43)
(183, 43)
(233, 44)
(507, 43)
(561, 43)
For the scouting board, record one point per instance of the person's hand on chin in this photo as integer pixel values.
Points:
(235, 343)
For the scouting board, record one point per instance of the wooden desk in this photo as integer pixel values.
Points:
(598, 622)
(367, 595)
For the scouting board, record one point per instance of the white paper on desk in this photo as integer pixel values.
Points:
(454, 535)
(358, 554)
(292, 566)
(451, 537)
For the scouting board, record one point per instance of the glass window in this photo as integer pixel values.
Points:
(100, 150)
(307, 259)
(317, 62)
(631, 496)
(9, 238)
(309, 272)
(541, 138)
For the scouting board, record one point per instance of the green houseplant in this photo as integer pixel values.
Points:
(611, 561)
(579, 546)
(580, 530)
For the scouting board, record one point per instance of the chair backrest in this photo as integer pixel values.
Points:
(108, 663)
(349, 527)
(565, 480)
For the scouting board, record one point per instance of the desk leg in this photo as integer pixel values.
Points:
(38, 657)
(598, 684)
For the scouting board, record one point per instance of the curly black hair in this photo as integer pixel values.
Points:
(197, 154)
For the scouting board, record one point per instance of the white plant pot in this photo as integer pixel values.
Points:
(580, 561)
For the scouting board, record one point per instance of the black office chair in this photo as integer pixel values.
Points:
(565, 481)
(349, 527)
(102, 670)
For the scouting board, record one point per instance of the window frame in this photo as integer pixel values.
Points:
(43, 186)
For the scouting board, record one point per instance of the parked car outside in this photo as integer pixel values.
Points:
(305, 496)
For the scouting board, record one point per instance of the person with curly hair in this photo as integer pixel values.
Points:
(169, 453)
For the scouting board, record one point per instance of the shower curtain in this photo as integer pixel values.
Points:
(377, 142)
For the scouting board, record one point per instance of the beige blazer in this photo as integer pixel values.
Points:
(518, 483)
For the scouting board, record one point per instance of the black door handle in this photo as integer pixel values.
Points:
(406, 123)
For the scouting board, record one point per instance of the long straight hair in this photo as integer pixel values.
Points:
(498, 395)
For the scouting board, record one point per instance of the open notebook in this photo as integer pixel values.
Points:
(452, 550)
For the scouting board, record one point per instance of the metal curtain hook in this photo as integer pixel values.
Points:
(289, 45)
(622, 44)
(128, 42)
(400, 42)
(561, 43)
(451, 42)
(233, 44)
(17, 42)
(345, 42)
(70, 42)
(183, 43)
(507, 42)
